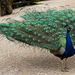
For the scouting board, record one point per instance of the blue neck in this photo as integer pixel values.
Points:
(69, 50)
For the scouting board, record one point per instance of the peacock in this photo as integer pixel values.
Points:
(50, 29)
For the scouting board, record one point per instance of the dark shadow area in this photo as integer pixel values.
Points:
(7, 6)
(17, 5)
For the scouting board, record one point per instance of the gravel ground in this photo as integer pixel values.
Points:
(20, 59)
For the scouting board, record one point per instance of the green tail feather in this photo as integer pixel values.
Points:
(43, 29)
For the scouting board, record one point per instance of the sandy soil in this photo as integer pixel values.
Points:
(19, 59)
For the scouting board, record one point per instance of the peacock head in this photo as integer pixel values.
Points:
(68, 29)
